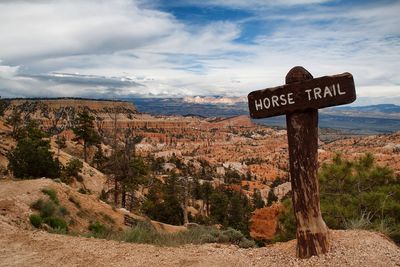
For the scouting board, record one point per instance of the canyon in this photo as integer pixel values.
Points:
(257, 152)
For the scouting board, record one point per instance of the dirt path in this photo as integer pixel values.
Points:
(38, 248)
(21, 246)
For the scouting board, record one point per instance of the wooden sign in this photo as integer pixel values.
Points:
(316, 93)
(300, 100)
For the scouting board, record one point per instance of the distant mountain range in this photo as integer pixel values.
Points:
(374, 119)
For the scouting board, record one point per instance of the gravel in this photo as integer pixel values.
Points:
(38, 248)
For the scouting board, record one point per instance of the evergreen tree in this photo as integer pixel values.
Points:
(32, 158)
(3, 106)
(128, 173)
(151, 206)
(136, 172)
(61, 143)
(84, 130)
(271, 197)
(196, 189)
(232, 177)
(231, 209)
(71, 171)
(99, 159)
(172, 213)
(15, 121)
(163, 204)
(219, 206)
(239, 212)
(206, 191)
(258, 202)
(357, 194)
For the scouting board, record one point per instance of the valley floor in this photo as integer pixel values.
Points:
(38, 248)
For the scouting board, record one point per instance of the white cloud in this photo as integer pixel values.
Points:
(60, 28)
(254, 4)
(109, 41)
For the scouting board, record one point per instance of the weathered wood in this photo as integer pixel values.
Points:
(296, 96)
(302, 131)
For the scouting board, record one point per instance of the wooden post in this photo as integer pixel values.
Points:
(300, 100)
(302, 131)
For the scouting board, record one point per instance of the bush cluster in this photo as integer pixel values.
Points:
(354, 194)
(32, 158)
(71, 171)
(145, 233)
(50, 212)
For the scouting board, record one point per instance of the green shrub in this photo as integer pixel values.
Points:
(107, 218)
(97, 228)
(63, 210)
(37, 205)
(47, 209)
(209, 238)
(145, 233)
(71, 171)
(246, 243)
(36, 220)
(52, 194)
(56, 223)
(234, 236)
(354, 194)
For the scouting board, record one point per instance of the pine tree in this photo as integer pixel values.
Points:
(163, 204)
(15, 121)
(71, 171)
(258, 202)
(61, 143)
(3, 106)
(239, 212)
(271, 197)
(85, 131)
(355, 193)
(206, 191)
(219, 206)
(231, 209)
(99, 159)
(32, 158)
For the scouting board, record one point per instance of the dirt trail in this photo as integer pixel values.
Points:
(38, 248)
(22, 246)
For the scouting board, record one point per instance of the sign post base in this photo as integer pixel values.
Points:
(302, 131)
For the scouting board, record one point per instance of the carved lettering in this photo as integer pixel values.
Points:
(310, 94)
(340, 92)
(308, 91)
(258, 105)
(327, 91)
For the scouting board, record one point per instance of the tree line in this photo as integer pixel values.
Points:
(135, 186)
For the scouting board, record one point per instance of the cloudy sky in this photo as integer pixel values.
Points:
(103, 48)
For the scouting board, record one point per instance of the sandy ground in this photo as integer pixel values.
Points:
(38, 248)
(22, 246)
